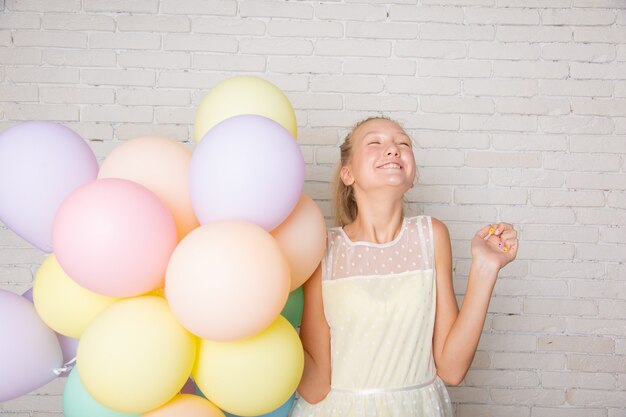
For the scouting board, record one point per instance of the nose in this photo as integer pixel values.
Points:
(393, 150)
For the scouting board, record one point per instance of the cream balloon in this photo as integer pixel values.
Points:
(227, 280)
(244, 95)
(135, 356)
(162, 166)
(302, 238)
(62, 304)
(251, 376)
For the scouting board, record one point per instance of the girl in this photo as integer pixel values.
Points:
(381, 329)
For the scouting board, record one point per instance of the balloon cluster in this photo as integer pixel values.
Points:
(168, 266)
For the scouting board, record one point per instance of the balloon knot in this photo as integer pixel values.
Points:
(67, 366)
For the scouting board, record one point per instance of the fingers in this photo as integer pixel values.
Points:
(483, 233)
(506, 231)
(490, 233)
(506, 236)
(511, 246)
(501, 228)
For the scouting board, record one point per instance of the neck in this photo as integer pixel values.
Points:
(379, 220)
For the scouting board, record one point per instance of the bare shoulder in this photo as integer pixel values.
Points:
(443, 246)
(440, 230)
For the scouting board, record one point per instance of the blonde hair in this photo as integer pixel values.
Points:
(344, 204)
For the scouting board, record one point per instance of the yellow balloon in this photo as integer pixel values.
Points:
(251, 376)
(62, 304)
(135, 356)
(186, 405)
(244, 95)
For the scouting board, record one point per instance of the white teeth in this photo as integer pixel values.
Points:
(390, 165)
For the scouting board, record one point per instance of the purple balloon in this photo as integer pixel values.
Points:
(189, 387)
(28, 294)
(29, 350)
(41, 163)
(69, 345)
(248, 168)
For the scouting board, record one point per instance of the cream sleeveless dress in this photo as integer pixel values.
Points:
(379, 301)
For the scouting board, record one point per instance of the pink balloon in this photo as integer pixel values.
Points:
(248, 168)
(41, 163)
(29, 350)
(227, 280)
(162, 166)
(114, 237)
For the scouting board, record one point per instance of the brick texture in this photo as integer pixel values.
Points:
(517, 109)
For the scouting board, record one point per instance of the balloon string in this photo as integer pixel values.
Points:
(67, 366)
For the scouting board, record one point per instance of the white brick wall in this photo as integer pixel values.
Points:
(517, 107)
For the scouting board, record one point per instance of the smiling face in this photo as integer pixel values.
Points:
(382, 156)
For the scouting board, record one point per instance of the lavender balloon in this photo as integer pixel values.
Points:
(69, 345)
(29, 350)
(40, 164)
(248, 168)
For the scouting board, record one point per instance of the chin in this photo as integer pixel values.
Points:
(399, 183)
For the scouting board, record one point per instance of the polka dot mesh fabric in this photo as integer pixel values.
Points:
(379, 302)
(411, 250)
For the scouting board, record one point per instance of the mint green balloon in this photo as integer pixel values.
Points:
(293, 308)
(77, 402)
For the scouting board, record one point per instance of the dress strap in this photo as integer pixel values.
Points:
(383, 390)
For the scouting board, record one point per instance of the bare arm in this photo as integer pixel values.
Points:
(315, 337)
(457, 333)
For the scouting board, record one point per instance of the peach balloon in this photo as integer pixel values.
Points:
(187, 405)
(162, 166)
(302, 238)
(114, 237)
(227, 280)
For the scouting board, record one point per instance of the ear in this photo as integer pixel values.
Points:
(346, 176)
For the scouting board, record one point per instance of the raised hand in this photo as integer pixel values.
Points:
(495, 245)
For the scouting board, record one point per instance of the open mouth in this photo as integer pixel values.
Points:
(390, 165)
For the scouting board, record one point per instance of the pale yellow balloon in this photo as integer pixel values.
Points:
(65, 306)
(135, 356)
(251, 376)
(186, 405)
(244, 95)
(302, 254)
(162, 166)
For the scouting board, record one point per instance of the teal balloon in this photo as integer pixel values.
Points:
(200, 393)
(77, 402)
(293, 308)
(282, 411)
